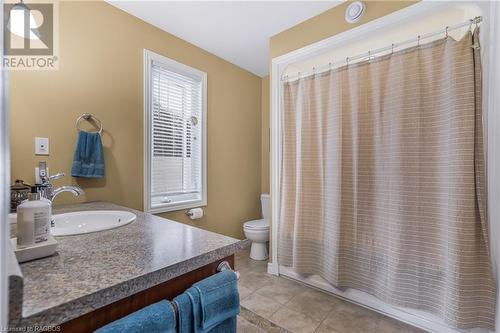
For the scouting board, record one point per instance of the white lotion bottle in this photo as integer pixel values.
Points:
(33, 220)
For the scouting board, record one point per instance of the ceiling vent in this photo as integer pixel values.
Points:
(355, 11)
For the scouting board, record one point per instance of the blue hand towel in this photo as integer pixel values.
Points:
(194, 297)
(186, 322)
(219, 298)
(212, 303)
(155, 318)
(185, 310)
(88, 160)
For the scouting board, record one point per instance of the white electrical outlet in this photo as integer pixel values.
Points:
(38, 180)
(41, 146)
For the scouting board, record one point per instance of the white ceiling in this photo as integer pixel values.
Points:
(237, 31)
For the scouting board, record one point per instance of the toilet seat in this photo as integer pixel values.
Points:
(261, 224)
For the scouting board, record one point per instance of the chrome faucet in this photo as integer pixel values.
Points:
(76, 190)
(47, 189)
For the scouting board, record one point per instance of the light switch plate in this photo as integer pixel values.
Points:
(41, 146)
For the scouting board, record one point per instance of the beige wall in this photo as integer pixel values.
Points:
(265, 130)
(101, 69)
(327, 24)
(324, 25)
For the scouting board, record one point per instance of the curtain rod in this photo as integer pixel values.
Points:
(371, 54)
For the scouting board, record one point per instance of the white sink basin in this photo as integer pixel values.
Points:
(84, 222)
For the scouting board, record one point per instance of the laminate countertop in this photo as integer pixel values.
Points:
(92, 270)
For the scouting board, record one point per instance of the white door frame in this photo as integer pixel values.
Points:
(4, 186)
(491, 86)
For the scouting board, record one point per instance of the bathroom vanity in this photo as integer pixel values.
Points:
(96, 278)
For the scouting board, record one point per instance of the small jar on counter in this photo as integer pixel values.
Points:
(18, 193)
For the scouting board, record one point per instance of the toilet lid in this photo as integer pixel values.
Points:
(257, 224)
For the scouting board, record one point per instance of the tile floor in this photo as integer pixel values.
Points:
(300, 309)
(244, 326)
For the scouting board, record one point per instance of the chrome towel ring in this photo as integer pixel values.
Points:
(88, 117)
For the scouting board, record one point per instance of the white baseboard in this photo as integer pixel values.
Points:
(272, 269)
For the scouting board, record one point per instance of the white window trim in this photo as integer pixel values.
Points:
(150, 56)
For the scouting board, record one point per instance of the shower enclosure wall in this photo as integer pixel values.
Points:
(371, 36)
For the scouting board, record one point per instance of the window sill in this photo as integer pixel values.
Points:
(157, 209)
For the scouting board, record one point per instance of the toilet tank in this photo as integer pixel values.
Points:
(264, 202)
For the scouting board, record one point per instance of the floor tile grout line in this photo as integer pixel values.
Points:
(280, 305)
(305, 315)
(272, 314)
(302, 314)
(322, 321)
(284, 305)
(256, 272)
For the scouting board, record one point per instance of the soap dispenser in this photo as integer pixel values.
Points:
(33, 220)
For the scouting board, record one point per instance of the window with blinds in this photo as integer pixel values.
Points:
(175, 135)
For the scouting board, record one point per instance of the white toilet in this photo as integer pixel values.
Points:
(257, 231)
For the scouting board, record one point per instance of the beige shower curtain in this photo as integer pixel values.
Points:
(383, 181)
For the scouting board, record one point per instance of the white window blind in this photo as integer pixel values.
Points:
(176, 135)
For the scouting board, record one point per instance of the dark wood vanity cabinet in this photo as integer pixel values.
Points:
(166, 290)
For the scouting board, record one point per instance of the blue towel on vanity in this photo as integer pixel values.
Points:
(155, 318)
(185, 310)
(88, 160)
(219, 298)
(210, 305)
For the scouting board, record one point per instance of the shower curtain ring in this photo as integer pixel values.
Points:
(392, 48)
(446, 31)
(347, 61)
(418, 40)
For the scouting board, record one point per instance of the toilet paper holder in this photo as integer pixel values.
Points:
(191, 213)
